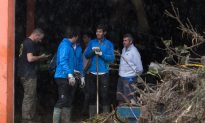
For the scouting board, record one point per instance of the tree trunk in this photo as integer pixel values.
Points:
(142, 19)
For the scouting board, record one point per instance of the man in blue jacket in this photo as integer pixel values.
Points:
(64, 76)
(103, 49)
(78, 63)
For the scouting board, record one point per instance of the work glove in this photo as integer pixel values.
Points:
(71, 80)
(96, 48)
(82, 84)
(76, 71)
(77, 74)
(98, 53)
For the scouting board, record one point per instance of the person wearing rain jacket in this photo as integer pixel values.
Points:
(103, 49)
(64, 77)
(78, 61)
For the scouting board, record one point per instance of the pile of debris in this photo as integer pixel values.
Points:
(178, 97)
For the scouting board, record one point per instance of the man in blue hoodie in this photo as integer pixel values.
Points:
(103, 49)
(64, 76)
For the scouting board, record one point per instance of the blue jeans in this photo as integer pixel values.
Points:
(124, 87)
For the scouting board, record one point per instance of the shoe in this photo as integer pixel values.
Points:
(56, 115)
(65, 115)
(92, 110)
(106, 109)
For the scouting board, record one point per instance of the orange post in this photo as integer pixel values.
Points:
(7, 61)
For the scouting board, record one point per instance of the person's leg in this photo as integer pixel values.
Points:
(85, 110)
(104, 90)
(129, 91)
(62, 107)
(120, 91)
(29, 100)
(74, 99)
(131, 96)
(92, 95)
(66, 115)
(56, 115)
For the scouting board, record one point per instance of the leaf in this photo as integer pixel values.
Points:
(167, 43)
(184, 51)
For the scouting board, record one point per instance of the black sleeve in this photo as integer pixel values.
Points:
(29, 46)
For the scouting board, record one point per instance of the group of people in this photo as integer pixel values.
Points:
(88, 68)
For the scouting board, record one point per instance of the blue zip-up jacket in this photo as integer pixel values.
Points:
(78, 59)
(64, 61)
(107, 56)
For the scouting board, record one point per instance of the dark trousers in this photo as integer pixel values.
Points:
(103, 89)
(65, 93)
(86, 95)
(29, 99)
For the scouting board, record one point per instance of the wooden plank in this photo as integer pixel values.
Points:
(6, 61)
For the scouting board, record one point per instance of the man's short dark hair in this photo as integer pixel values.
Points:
(103, 27)
(71, 32)
(38, 31)
(128, 35)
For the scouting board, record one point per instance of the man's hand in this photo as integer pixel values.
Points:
(98, 53)
(77, 74)
(96, 49)
(44, 56)
(82, 84)
(71, 80)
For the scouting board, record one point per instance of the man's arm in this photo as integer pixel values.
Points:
(32, 58)
(108, 55)
(81, 63)
(137, 61)
(89, 52)
(30, 48)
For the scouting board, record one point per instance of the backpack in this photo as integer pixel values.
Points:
(52, 65)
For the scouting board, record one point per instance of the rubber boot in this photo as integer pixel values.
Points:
(56, 115)
(92, 110)
(66, 114)
(106, 109)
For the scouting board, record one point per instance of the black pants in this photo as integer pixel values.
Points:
(86, 95)
(103, 89)
(65, 93)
